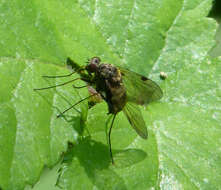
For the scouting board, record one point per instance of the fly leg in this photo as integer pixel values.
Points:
(75, 105)
(59, 76)
(109, 139)
(106, 126)
(62, 84)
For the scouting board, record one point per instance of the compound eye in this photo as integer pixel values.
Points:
(95, 60)
(93, 64)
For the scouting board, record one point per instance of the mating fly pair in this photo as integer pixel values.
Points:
(121, 89)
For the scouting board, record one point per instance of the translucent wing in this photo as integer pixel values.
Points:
(140, 89)
(135, 118)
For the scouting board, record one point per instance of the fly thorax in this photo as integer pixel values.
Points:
(110, 73)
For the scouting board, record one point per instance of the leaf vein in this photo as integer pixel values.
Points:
(167, 33)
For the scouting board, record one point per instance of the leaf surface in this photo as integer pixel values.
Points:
(183, 148)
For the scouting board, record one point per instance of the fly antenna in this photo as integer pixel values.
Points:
(62, 84)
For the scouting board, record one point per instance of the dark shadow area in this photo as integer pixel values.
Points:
(94, 157)
(128, 157)
(216, 9)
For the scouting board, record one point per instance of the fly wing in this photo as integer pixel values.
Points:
(140, 89)
(135, 118)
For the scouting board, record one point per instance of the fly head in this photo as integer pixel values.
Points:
(93, 65)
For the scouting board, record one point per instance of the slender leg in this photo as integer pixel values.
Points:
(75, 105)
(106, 126)
(109, 138)
(57, 85)
(59, 76)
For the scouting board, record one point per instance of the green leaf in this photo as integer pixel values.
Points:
(31, 136)
(217, 49)
(183, 148)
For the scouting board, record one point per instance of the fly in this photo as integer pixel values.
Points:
(121, 89)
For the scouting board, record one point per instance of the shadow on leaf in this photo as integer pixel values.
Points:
(128, 157)
(95, 159)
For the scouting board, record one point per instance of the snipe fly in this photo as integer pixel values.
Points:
(121, 89)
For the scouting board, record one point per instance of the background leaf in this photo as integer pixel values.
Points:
(183, 149)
